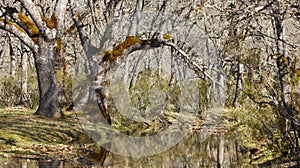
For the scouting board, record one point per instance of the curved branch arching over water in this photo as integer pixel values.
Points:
(123, 49)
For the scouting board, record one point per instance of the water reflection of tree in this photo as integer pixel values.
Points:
(196, 150)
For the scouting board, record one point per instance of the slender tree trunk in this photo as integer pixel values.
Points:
(237, 86)
(24, 59)
(44, 60)
(13, 59)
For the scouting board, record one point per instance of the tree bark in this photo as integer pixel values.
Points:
(44, 60)
(24, 60)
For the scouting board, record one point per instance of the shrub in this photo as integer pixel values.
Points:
(11, 93)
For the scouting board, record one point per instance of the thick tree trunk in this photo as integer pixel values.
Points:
(44, 60)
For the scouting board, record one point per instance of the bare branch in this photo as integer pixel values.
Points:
(34, 13)
(14, 29)
(155, 43)
(194, 65)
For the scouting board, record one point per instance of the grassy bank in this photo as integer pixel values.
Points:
(261, 143)
(27, 136)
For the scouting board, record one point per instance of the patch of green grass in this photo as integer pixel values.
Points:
(26, 135)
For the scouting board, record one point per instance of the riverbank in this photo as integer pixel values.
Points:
(257, 143)
(25, 136)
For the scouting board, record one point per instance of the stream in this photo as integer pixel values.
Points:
(197, 149)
